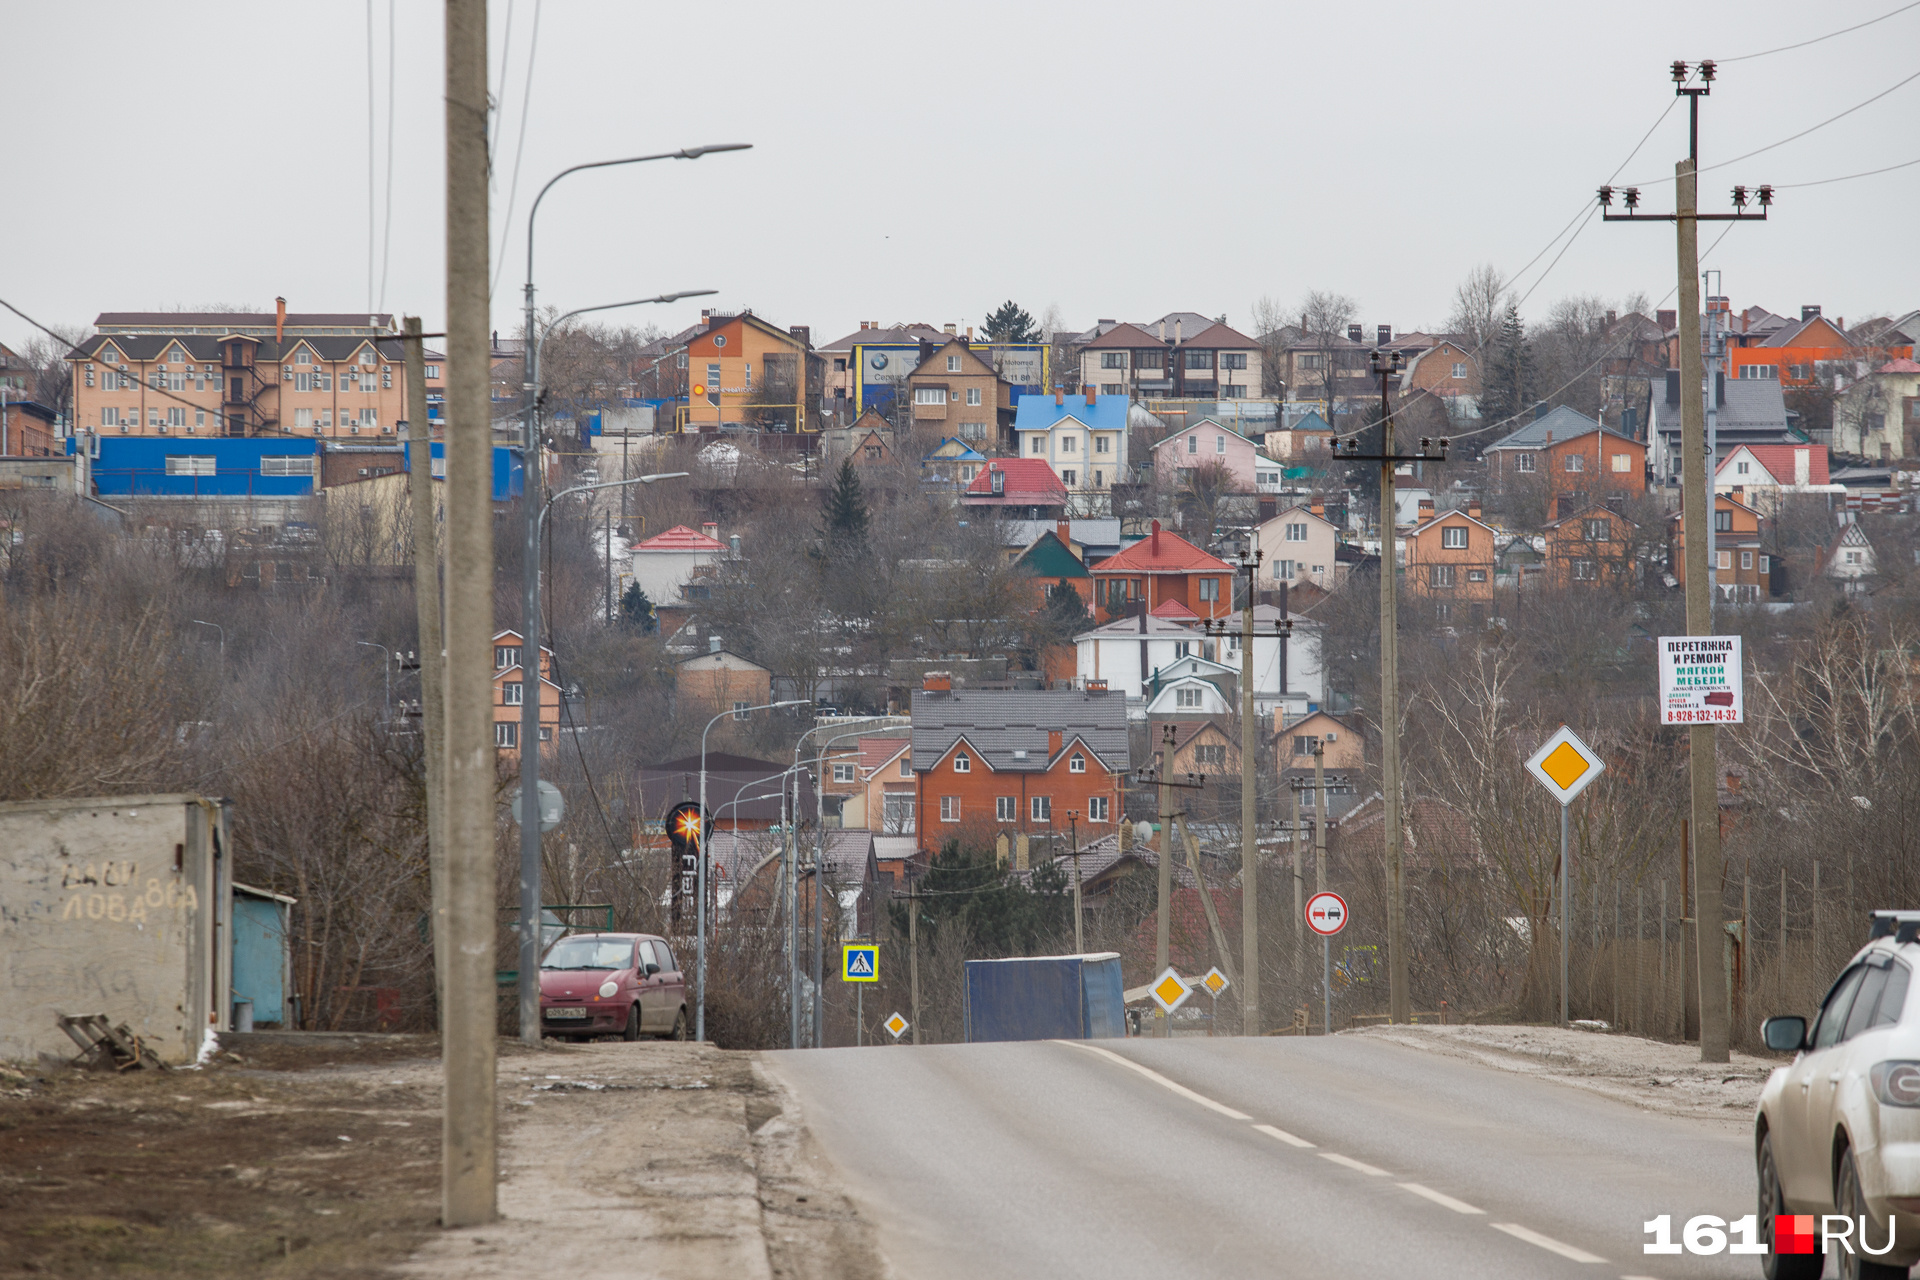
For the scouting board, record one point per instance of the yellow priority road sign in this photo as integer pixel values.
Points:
(1565, 765)
(859, 962)
(896, 1026)
(1169, 990)
(1215, 982)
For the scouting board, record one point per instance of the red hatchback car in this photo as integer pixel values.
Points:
(602, 984)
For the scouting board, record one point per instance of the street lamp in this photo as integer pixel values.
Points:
(217, 627)
(386, 668)
(700, 879)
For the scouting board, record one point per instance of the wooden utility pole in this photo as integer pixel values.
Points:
(469, 1163)
(1249, 821)
(1162, 918)
(433, 648)
(1319, 818)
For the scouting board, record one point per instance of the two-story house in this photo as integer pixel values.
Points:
(1742, 571)
(1575, 457)
(871, 780)
(509, 695)
(1448, 372)
(721, 680)
(992, 762)
(1450, 562)
(744, 371)
(1298, 546)
(1178, 357)
(1209, 443)
(1341, 764)
(955, 392)
(1019, 488)
(1083, 438)
(1592, 546)
(1162, 567)
(1760, 474)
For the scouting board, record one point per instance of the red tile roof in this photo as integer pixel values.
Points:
(1029, 480)
(1219, 335)
(875, 752)
(679, 538)
(1778, 460)
(1129, 336)
(1902, 365)
(1174, 555)
(1174, 611)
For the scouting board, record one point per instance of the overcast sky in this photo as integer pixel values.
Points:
(925, 162)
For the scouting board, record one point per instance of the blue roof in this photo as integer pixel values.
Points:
(1038, 413)
(963, 452)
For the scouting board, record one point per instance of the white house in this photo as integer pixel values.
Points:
(1852, 560)
(1188, 697)
(1128, 653)
(1083, 438)
(666, 562)
(1298, 546)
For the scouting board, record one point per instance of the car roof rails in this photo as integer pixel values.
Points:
(1901, 926)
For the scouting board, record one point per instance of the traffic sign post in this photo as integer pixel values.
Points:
(896, 1026)
(1215, 982)
(1326, 916)
(1565, 766)
(860, 963)
(1169, 991)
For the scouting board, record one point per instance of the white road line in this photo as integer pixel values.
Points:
(1548, 1243)
(1162, 1081)
(1282, 1134)
(1353, 1164)
(1439, 1197)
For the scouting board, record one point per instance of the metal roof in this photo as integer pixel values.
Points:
(999, 722)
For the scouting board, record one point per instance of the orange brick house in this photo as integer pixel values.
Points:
(1574, 456)
(720, 680)
(1793, 353)
(509, 694)
(1744, 571)
(993, 762)
(1591, 547)
(873, 777)
(1450, 561)
(1163, 567)
(741, 368)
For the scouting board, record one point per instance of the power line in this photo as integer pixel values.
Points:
(1830, 35)
(494, 123)
(386, 234)
(1846, 177)
(1556, 259)
(370, 156)
(513, 185)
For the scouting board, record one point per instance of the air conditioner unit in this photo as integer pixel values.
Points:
(1333, 737)
(354, 429)
(363, 471)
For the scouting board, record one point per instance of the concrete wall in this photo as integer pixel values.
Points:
(112, 906)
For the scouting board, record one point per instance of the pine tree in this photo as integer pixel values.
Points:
(1509, 386)
(846, 511)
(636, 611)
(1009, 322)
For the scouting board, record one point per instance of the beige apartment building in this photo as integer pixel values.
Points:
(244, 374)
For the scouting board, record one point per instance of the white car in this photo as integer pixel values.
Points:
(1838, 1131)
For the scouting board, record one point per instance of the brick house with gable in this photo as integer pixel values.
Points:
(1450, 561)
(509, 694)
(1744, 572)
(990, 762)
(1160, 568)
(1591, 547)
(1574, 456)
(953, 392)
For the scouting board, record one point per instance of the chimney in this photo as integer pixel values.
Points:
(1153, 541)
(713, 644)
(997, 480)
(1539, 412)
(1093, 392)
(1553, 507)
(1611, 319)
(863, 326)
(711, 529)
(1059, 396)
(804, 333)
(949, 330)
(1063, 531)
(1426, 511)
(1054, 743)
(1163, 331)
(1385, 334)
(969, 333)
(937, 682)
(1176, 331)
(1473, 508)
(1353, 332)
(1810, 312)
(1666, 320)
(1140, 611)
(279, 319)
(733, 546)
(1318, 508)
(1673, 388)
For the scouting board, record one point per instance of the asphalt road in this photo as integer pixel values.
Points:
(1331, 1157)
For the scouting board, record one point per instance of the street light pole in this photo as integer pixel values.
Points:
(1073, 842)
(386, 667)
(217, 627)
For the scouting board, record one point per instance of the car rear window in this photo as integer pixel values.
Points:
(1864, 1001)
(1833, 1013)
(1894, 998)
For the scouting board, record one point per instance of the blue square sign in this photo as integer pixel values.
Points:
(860, 962)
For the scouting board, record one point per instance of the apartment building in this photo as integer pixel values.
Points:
(1180, 357)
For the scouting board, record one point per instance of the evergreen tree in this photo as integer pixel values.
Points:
(636, 611)
(1066, 613)
(1009, 322)
(846, 529)
(1508, 388)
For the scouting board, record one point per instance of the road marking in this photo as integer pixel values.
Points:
(1439, 1198)
(1353, 1164)
(1283, 1135)
(1548, 1243)
(1162, 1081)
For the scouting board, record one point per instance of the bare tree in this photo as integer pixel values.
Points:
(1324, 317)
(1478, 303)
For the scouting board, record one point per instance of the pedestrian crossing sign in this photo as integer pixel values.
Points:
(859, 962)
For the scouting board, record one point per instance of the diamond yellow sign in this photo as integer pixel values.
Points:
(1565, 765)
(1215, 982)
(1169, 990)
(896, 1026)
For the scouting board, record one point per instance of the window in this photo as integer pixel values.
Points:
(929, 395)
(1209, 589)
(1069, 477)
(1313, 361)
(1473, 575)
(367, 358)
(505, 655)
(1193, 444)
(1006, 808)
(1746, 558)
(962, 763)
(1233, 360)
(906, 767)
(949, 808)
(1297, 532)
(1186, 698)
(506, 733)
(1833, 1013)
(1853, 557)
(1440, 575)
(843, 773)
(1076, 763)
(1459, 369)
(1040, 808)
(1593, 530)
(1523, 462)
(303, 419)
(1741, 468)
(1113, 359)
(1574, 462)
(973, 431)
(1113, 388)
(303, 382)
(1586, 571)
(369, 418)
(512, 693)
(1039, 444)
(1069, 443)
(433, 371)
(1219, 444)
(292, 464)
(1212, 753)
(1285, 570)
(1725, 559)
(1764, 563)
(1304, 743)
(1103, 444)
(896, 812)
(1097, 812)
(1199, 360)
(973, 396)
(180, 464)
(1454, 538)
(1760, 371)
(1723, 522)
(953, 364)
(741, 710)
(176, 417)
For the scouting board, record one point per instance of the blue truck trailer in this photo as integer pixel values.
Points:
(1045, 998)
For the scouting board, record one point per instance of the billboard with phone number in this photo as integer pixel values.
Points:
(1700, 680)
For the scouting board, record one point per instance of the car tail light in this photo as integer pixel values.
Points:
(1897, 1084)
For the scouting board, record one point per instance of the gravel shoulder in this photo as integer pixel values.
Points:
(1651, 1074)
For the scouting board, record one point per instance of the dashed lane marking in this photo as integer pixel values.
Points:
(1288, 1138)
(1439, 1197)
(1162, 1081)
(1355, 1165)
(1548, 1243)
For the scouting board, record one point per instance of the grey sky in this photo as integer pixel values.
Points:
(926, 162)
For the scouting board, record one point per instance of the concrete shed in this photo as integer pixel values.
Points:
(114, 905)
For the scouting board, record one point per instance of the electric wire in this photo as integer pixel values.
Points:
(499, 95)
(370, 156)
(386, 233)
(1845, 177)
(1764, 53)
(513, 184)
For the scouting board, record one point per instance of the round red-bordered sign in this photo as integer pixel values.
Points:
(1326, 914)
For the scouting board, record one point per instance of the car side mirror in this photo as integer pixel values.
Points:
(651, 969)
(1784, 1034)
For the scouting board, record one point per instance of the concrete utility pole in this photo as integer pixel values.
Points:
(1299, 899)
(1162, 918)
(1696, 516)
(913, 960)
(468, 1161)
(433, 649)
(1249, 818)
